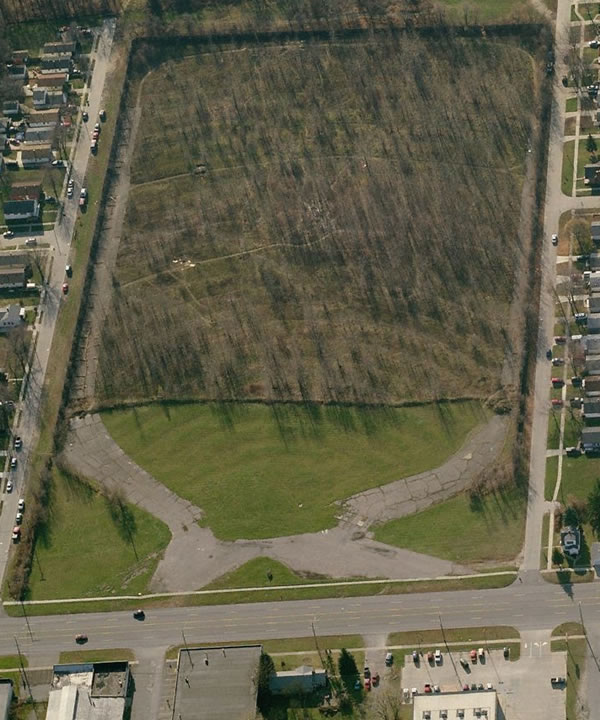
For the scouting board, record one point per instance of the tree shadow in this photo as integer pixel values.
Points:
(124, 520)
(564, 580)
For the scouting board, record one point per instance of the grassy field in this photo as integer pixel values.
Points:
(9, 662)
(573, 427)
(84, 656)
(571, 105)
(285, 223)
(579, 476)
(482, 10)
(115, 554)
(255, 573)
(567, 167)
(463, 530)
(279, 470)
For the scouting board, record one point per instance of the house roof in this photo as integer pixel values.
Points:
(17, 70)
(9, 105)
(25, 191)
(592, 383)
(36, 152)
(59, 47)
(20, 54)
(46, 116)
(592, 172)
(590, 436)
(9, 275)
(594, 306)
(592, 364)
(591, 407)
(18, 207)
(51, 80)
(593, 320)
(39, 94)
(56, 62)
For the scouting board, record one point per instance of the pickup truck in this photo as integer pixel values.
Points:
(82, 197)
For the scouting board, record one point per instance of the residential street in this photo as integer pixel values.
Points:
(60, 241)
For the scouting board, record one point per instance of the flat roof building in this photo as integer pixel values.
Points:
(478, 705)
(6, 695)
(217, 683)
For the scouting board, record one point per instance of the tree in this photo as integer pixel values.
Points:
(594, 508)
(570, 517)
(266, 667)
(347, 669)
(590, 144)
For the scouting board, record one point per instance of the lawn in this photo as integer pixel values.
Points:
(550, 483)
(280, 469)
(86, 549)
(482, 10)
(87, 656)
(578, 477)
(9, 662)
(283, 226)
(571, 105)
(573, 426)
(463, 530)
(261, 572)
(567, 167)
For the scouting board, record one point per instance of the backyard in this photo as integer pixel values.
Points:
(279, 470)
(285, 228)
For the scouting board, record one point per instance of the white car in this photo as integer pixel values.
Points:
(21, 504)
(555, 239)
(70, 191)
(13, 463)
(9, 486)
(19, 518)
(8, 234)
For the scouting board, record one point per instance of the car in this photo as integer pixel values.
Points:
(50, 199)
(389, 659)
(97, 127)
(367, 684)
(367, 672)
(581, 318)
(357, 684)
(21, 504)
(16, 534)
(94, 145)
(30, 242)
(17, 442)
(8, 234)
(576, 381)
(427, 688)
(102, 115)
(414, 691)
(81, 638)
(65, 288)
(594, 44)
(71, 182)
(438, 657)
(375, 680)
(9, 486)
(415, 657)
(556, 402)
(58, 163)
(464, 663)
(83, 196)
(70, 192)
(506, 652)
(473, 686)
(489, 686)
(19, 518)
(557, 382)
(555, 239)
(465, 687)
(558, 361)
(573, 451)
(480, 686)
(557, 681)
(560, 340)
(84, 116)
(68, 271)
(95, 135)
(139, 614)
(13, 463)
(430, 658)
(565, 81)
(549, 354)
(473, 655)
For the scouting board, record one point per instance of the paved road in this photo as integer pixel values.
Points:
(60, 238)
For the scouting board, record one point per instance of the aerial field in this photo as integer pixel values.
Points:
(332, 222)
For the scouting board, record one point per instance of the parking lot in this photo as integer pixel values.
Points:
(523, 686)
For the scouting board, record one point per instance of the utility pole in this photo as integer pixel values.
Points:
(22, 668)
(187, 648)
(26, 620)
(317, 644)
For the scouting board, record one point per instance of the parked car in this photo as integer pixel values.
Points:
(21, 504)
(438, 657)
(556, 402)
(558, 361)
(581, 318)
(367, 684)
(557, 681)
(549, 354)
(576, 381)
(17, 442)
(430, 658)
(555, 239)
(70, 191)
(65, 288)
(367, 672)
(30, 242)
(95, 135)
(480, 686)
(375, 680)
(415, 657)
(94, 147)
(19, 518)
(464, 663)
(102, 115)
(560, 340)
(68, 271)
(557, 382)
(83, 197)
(389, 659)
(573, 451)
(13, 463)
(58, 163)
(427, 688)
(465, 687)
(85, 117)
(139, 614)
(473, 655)
(594, 44)
(97, 127)
(506, 652)
(8, 234)
(9, 486)
(16, 534)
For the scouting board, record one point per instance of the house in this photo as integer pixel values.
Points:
(39, 118)
(50, 80)
(60, 48)
(594, 304)
(593, 323)
(592, 364)
(6, 696)
(40, 134)
(21, 209)
(17, 72)
(39, 97)
(10, 317)
(55, 64)
(591, 409)
(570, 540)
(595, 231)
(591, 386)
(11, 108)
(4, 128)
(35, 155)
(56, 98)
(19, 57)
(302, 681)
(590, 439)
(26, 191)
(595, 257)
(591, 173)
(12, 277)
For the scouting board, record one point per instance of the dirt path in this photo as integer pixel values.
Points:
(195, 557)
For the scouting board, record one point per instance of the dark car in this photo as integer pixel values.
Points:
(139, 614)
(549, 354)
(557, 681)
(557, 382)
(576, 381)
(81, 639)
(85, 116)
(389, 659)
(464, 664)
(506, 652)
(573, 451)
(415, 657)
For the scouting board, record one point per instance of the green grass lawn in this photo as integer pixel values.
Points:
(578, 477)
(83, 551)
(461, 530)
(550, 482)
(573, 426)
(567, 167)
(483, 10)
(571, 105)
(255, 572)
(84, 656)
(278, 470)
(12, 661)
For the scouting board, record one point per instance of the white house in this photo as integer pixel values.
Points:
(21, 209)
(10, 317)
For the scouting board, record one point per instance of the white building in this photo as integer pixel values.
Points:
(10, 318)
(478, 705)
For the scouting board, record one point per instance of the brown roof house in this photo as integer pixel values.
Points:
(26, 191)
(51, 80)
(36, 155)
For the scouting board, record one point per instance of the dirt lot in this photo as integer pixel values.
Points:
(325, 222)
